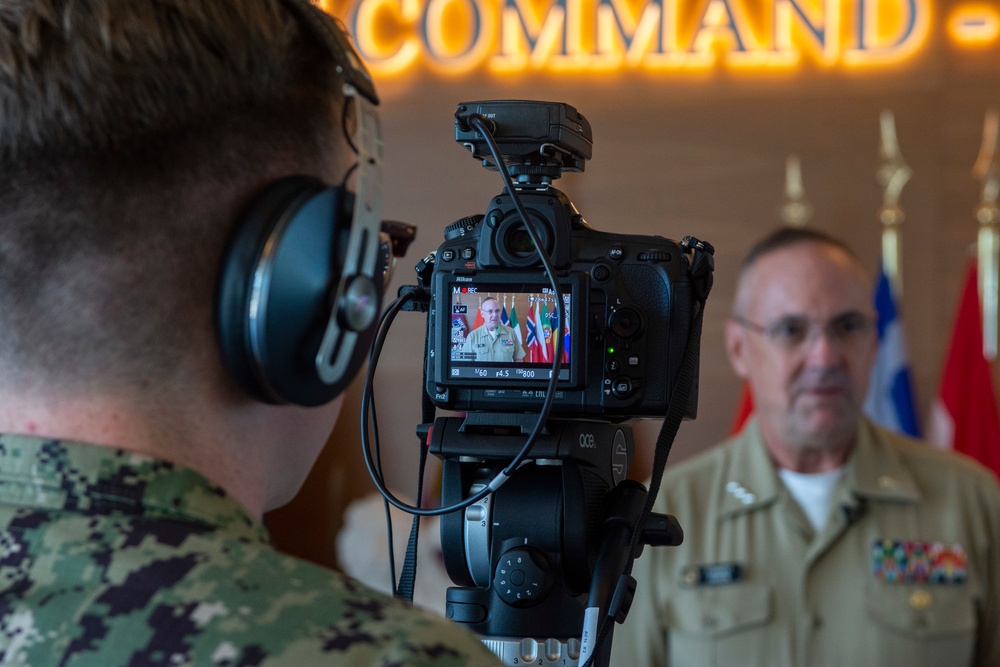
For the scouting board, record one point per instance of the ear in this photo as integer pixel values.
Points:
(736, 343)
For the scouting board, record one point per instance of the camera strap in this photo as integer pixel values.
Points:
(408, 575)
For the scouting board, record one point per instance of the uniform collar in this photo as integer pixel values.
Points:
(72, 476)
(749, 481)
(874, 472)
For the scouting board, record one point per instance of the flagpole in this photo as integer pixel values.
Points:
(988, 241)
(795, 209)
(893, 174)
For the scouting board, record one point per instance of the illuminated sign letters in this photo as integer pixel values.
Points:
(457, 36)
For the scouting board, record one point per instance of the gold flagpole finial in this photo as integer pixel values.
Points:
(893, 174)
(988, 240)
(795, 209)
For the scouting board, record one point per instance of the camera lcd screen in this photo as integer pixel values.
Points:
(508, 332)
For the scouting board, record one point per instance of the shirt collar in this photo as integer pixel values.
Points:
(750, 481)
(874, 471)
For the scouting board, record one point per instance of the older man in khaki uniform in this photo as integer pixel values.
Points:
(493, 341)
(814, 537)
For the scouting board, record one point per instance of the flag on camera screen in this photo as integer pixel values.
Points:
(554, 325)
(544, 332)
(480, 320)
(531, 341)
(514, 324)
(565, 356)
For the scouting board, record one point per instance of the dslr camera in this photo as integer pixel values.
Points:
(627, 300)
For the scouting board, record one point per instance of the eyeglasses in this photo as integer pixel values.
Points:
(793, 331)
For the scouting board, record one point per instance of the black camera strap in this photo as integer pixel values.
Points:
(408, 575)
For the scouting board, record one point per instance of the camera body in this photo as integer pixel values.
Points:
(627, 300)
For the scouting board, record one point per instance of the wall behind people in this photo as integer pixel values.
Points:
(704, 153)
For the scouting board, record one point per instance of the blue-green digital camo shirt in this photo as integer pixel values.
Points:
(110, 558)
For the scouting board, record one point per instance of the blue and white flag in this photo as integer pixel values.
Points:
(890, 395)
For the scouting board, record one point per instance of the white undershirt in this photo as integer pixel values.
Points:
(813, 492)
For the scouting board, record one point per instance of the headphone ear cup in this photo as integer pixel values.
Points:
(276, 292)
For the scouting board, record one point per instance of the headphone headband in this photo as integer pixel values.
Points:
(331, 32)
(301, 288)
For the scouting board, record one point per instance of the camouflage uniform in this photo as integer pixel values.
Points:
(112, 558)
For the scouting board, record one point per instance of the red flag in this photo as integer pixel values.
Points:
(480, 321)
(744, 410)
(535, 341)
(964, 416)
(543, 328)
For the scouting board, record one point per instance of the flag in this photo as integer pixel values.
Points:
(504, 320)
(565, 356)
(544, 331)
(554, 324)
(479, 316)
(744, 410)
(890, 393)
(964, 416)
(531, 342)
(514, 324)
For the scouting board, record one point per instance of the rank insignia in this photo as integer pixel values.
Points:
(912, 561)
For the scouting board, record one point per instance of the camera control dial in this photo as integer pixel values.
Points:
(462, 227)
(519, 580)
(625, 322)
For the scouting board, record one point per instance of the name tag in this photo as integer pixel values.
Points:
(716, 574)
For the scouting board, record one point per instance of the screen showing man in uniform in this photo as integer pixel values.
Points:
(491, 328)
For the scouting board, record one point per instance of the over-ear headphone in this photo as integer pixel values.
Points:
(301, 284)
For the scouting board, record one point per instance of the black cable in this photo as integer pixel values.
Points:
(480, 123)
(387, 318)
(388, 514)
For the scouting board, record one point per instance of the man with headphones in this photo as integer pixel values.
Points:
(189, 275)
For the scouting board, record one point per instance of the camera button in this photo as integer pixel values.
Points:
(468, 253)
(621, 387)
(625, 322)
(616, 252)
(614, 365)
(633, 360)
(601, 273)
(448, 255)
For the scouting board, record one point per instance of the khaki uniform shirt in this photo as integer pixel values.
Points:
(752, 584)
(109, 558)
(505, 347)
